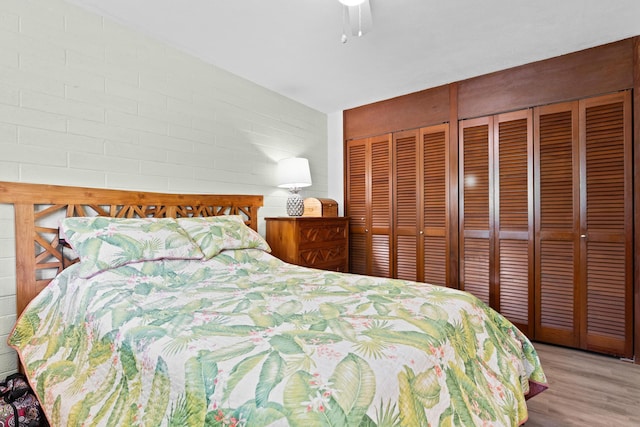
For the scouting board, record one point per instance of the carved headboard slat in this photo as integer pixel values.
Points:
(38, 209)
(50, 247)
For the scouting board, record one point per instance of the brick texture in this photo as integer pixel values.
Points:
(85, 101)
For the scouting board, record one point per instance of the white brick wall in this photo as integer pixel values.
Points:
(85, 101)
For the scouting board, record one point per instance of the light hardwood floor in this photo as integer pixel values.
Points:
(585, 389)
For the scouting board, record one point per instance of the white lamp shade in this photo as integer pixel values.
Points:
(351, 2)
(294, 173)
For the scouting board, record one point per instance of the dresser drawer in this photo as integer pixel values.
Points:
(317, 242)
(323, 256)
(310, 233)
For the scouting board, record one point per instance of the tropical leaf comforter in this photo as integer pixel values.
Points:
(243, 339)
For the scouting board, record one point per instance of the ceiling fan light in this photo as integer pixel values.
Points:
(351, 2)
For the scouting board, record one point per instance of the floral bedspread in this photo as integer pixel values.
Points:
(244, 339)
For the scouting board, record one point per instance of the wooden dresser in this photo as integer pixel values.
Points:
(318, 242)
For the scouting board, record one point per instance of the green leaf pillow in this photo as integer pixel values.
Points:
(216, 233)
(103, 243)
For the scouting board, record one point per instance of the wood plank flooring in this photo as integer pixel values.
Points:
(585, 389)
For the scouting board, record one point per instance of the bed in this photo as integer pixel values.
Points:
(169, 310)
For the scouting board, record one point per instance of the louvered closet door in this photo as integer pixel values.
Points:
(496, 212)
(557, 224)
(369, 205)
(606, 224)
(584, 224)
(475, 197)
(357, 152)
(406, 203)
(512, 283)
(380, 189)
(434, 235)
(420, 204)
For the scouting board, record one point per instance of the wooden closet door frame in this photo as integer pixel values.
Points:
(636, 202)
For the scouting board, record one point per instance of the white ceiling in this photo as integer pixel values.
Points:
(293, 46)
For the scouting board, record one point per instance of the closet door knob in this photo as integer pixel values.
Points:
(583, 236)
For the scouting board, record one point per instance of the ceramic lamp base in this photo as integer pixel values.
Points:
(295, 204)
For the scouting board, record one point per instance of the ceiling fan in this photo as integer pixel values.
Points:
(357, 16)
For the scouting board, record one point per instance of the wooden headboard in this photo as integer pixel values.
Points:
(38, 209)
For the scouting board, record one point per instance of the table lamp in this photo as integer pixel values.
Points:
(293, 173)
